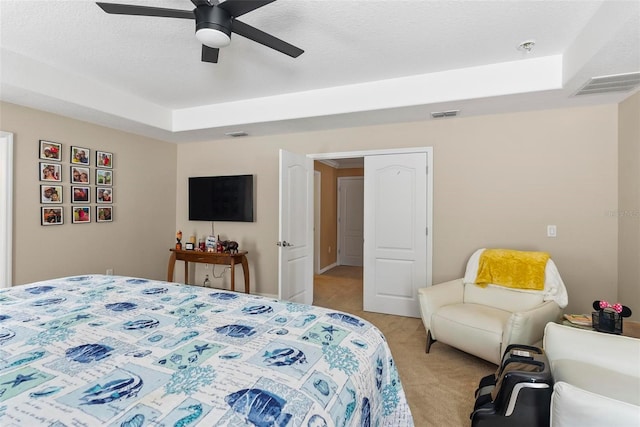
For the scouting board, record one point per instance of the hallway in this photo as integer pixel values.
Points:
(339, 288)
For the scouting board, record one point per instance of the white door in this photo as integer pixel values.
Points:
(395, 232)
(350, 220)
(6, 218)
(295, 238)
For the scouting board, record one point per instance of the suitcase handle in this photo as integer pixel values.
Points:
(525, 360)
(537, 350)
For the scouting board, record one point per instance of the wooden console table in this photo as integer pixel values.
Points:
(210, 258)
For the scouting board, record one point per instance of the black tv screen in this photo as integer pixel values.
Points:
(221, 198)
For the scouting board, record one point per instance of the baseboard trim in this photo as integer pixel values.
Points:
(328, 267)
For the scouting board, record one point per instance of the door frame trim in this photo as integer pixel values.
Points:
(6, 210)
(317, 219)
(363, 153)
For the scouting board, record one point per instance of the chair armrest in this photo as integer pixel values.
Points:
(527, 327)
(614, 352)
(572, 406)
(436, 296)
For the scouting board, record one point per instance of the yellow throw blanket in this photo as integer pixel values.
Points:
(512, 269)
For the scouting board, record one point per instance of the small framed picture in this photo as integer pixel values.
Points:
(80, 194)
(51, 216)
(104, 195)
(104, 177)
(79, 175)
(50, 172)
(81, 214)
(51, 194)
(189, 246)
(104, 159)
(80, 156)
(104, 213)
(50, 150)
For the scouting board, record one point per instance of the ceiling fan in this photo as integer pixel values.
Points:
(215, 22)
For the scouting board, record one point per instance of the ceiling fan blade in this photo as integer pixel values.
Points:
(197, 3)
(129, 9)
(258, 36)
(210, 54)
(240, 7)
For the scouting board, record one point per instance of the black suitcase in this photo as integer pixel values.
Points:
(518, 394)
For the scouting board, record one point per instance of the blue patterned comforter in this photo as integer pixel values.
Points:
(120, 351)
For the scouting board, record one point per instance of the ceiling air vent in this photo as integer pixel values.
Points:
(440, 114)
(606, 84)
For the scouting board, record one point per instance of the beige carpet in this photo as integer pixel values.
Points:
(439, 385)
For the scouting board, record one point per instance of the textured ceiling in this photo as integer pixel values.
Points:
(144, 74)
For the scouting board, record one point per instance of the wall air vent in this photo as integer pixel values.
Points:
(237, 133)
(441, 114)
(606, 84)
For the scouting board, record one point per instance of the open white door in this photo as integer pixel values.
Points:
(295, 237)
(395, 232)
(350, 220)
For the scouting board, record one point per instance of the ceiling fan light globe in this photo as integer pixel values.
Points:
(212, 37)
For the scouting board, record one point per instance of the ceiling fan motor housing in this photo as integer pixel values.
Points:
(214, 23)
(214, 17)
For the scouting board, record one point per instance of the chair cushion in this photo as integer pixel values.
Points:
(502, 298)
(572, 406)
(597, 379)
(473, 328)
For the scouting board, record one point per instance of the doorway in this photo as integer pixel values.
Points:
(340, 289)
(395, 264)
(332, 198)
(398, 270)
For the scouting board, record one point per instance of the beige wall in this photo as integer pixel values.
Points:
(629, 205)
(136, 243)
(328, 214)
(498, 182)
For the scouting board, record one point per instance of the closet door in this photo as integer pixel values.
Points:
(395, 232)
(350, 220)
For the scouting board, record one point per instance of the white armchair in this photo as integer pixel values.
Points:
(483, 321)
(597, 377)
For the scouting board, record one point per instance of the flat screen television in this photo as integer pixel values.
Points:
(221, 198)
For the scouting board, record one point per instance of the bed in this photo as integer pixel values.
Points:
(123, 351)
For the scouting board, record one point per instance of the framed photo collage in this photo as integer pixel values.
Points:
(87, 187)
